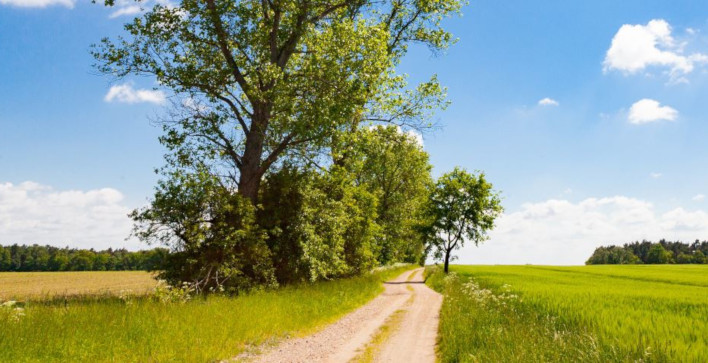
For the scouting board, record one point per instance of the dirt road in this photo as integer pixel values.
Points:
(412, 338)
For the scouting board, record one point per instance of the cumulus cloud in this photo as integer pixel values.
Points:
(647, 110)
(655, 175)
(548, 102)
(34, 213)
(127, 94)
(126, 10)
(412, 134)
(416, 136)
(133, 7)
(563, 232)
(637, 47)
(38, 3)
(699, 197)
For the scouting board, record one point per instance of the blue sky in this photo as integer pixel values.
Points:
(617, 151)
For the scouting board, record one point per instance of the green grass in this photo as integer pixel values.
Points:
(109, 329)
(584, 313)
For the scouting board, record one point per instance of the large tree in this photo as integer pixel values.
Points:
(262, 84)
(365, 209)
(393, 166)
(463, 206)
(259, 79)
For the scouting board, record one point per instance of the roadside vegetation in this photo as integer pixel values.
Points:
(564, 314)
(172, 326)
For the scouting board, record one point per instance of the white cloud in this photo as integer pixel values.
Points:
(416, 136)
(38, 3)
(699, 197)
(133, 7)
(655, 175)
(34, 213)
(548, 102)
(563, 232)
(127, 94)
(126, 10)
(636, 47)
(195, 105)
(412, 134)
(648, 110)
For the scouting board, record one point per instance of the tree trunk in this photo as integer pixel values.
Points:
(447, 260)
(250, 172)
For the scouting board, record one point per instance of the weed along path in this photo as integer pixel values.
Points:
(399, 325)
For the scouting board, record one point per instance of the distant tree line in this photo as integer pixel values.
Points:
(49, 258)
(647, 252)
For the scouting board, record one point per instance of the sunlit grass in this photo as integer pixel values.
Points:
(40, 285)
(141, 329)
(591, 313)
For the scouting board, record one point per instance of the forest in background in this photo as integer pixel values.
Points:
(662, 252)
(23, 258)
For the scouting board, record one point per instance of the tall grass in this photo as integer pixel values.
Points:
(204, 329)
(562, 314)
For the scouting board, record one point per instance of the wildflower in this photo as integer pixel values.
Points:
(15, 312)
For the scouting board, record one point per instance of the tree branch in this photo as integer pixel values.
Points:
(221, 37)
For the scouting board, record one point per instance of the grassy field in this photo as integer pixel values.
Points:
(141, 329)
(583, 313)
(44, 285)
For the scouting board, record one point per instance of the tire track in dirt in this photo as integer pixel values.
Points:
(342, 341)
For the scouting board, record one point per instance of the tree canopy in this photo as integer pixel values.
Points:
(260, 80)
(647, 252)
(49, 258)
(273, 170)
(462, 207)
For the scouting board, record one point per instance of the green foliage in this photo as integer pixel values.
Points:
(172, 294)
(325, 226)
(49, 258)
(393, 166)
(218, 244)
(462, 206)
(204, 329)
(266, 80)
(5, 259)
(657, 254)
(322, 225)
(364, 210)
(612, 255)
(578, 314)
(267, 86)
(652, 253)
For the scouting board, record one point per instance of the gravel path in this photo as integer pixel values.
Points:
(342, 341)
(415, 339)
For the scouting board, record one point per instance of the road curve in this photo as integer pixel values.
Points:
(412, 341)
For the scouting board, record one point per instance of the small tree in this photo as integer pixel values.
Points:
(659, 255)
(462, 206)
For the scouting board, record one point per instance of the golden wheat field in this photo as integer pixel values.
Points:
(38, 285)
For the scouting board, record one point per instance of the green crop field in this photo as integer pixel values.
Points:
(584, 313)
(141, 328)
